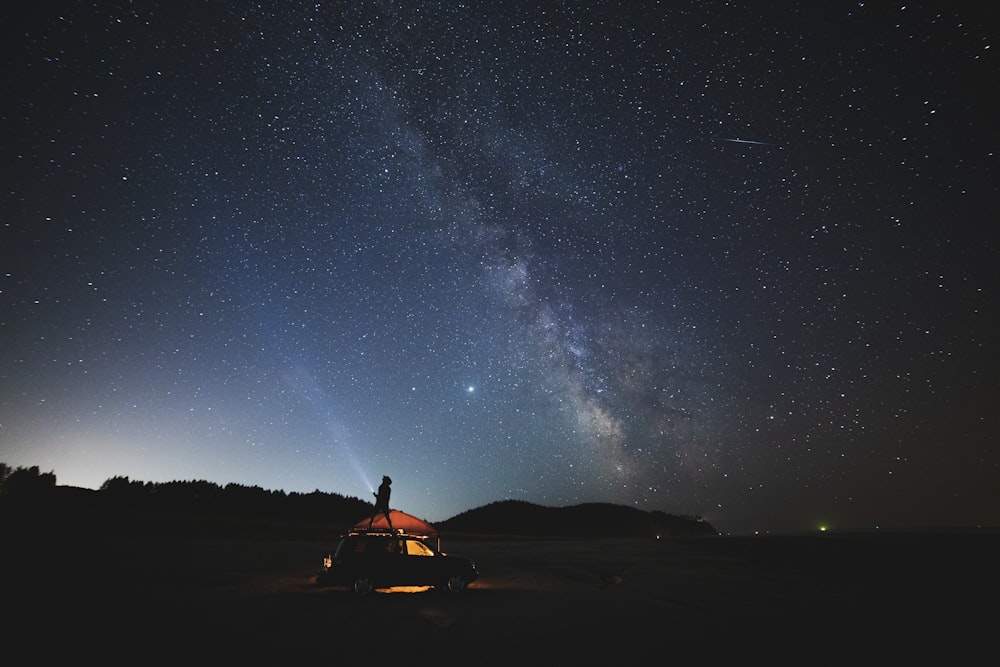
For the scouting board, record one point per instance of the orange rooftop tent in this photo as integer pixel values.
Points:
(402, 521)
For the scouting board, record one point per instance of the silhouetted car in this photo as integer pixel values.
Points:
(370, 559)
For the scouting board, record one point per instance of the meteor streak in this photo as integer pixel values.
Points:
(748, 141)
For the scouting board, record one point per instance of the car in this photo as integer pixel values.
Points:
(366, 560)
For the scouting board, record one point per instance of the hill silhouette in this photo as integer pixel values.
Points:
(517, 517)
(124, 507)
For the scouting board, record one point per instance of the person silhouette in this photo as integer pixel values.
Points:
(382, 502)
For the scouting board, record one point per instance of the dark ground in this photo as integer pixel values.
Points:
(823, 599)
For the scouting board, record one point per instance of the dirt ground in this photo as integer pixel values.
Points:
(830, 599)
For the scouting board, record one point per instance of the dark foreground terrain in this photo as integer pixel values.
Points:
(824, 599)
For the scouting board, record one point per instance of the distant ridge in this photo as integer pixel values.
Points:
(518, 517)
(31, 503)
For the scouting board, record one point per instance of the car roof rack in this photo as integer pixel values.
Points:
(385, 532)
(376, 531)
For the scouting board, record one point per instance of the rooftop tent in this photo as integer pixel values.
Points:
(404, 521)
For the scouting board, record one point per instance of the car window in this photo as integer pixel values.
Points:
(348, 546)
(415, 548)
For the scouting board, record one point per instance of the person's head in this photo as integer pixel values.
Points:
(385, 478)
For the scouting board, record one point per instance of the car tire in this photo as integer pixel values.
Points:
(363, 585)
(456, 583)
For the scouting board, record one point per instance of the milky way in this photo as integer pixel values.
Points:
(698, 257)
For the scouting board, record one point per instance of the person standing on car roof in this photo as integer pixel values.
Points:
(382, 501)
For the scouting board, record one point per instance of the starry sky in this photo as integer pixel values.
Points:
(727, 259)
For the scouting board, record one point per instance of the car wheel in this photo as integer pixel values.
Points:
(363, 585)
(455, 583)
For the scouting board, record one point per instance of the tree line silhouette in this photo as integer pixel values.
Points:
(28, 485)
(202, 507)
(25, 481)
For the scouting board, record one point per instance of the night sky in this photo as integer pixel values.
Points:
(736, 260)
